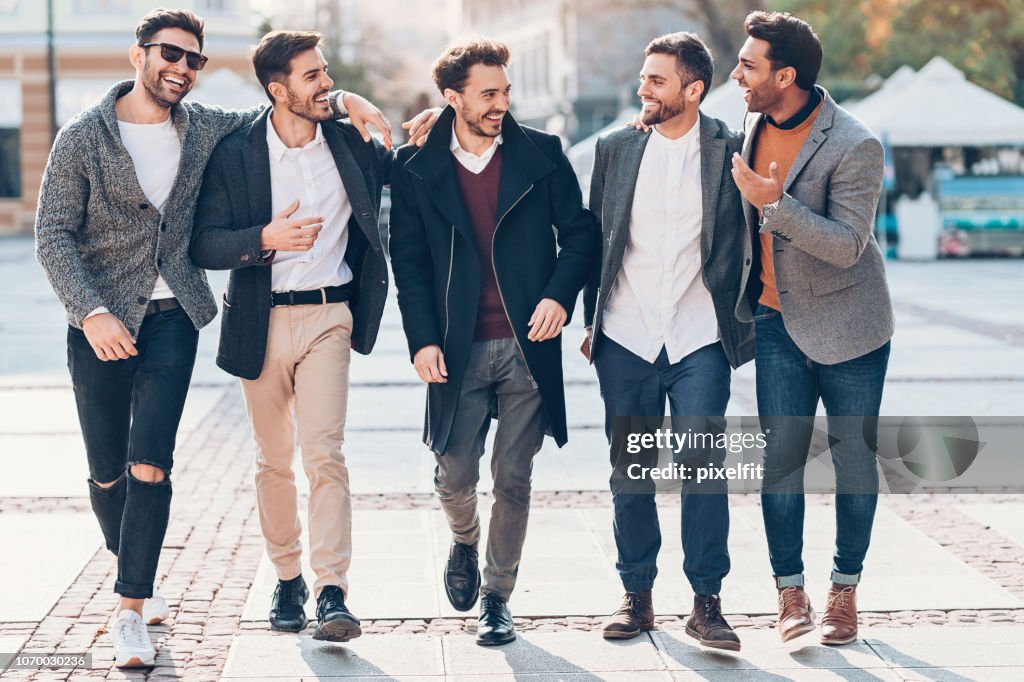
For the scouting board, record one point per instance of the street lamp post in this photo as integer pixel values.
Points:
(51, 65)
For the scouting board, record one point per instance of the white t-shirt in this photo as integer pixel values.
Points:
(155, 150)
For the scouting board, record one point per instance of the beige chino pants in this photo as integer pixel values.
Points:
(304, 387)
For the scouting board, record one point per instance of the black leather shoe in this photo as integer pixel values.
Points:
(335, 623)
(286, 612)
(461, 576)
(495, 625)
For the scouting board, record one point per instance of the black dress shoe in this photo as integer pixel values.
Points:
(495, 625)
(286, 612)
(335, 623)
(461, 576)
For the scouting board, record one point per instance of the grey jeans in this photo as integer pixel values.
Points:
(497, 382)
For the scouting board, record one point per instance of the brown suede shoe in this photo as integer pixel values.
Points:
(634, 616)
(796, 617)
(708, 626)
(839, 623)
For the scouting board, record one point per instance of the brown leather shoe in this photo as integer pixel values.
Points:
(708, 626)
(634, 616)
(839, 623)
(796, 617)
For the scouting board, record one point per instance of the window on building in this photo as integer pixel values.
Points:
(10, 163)
(214, 6)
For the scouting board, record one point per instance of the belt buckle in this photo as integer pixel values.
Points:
(323, 295)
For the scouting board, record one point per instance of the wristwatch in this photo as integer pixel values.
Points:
(338, 105)
(768, 210)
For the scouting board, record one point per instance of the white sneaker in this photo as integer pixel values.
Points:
(155, 610)
(132, 648)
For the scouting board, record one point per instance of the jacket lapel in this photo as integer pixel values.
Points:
(354, 183)
(712, 164)
(522, 165)
(752, 126)
(632, 157)
(815, 138)
(433, 164)
(256, 167)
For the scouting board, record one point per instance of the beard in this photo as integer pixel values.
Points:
(763, 99)
(157, 89)
(480, 125)
(309, 109)
(663, 112)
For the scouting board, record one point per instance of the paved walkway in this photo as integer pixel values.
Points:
(943, 598)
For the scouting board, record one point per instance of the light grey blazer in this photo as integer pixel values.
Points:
(829, 270)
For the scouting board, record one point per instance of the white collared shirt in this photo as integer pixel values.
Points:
(309, 174)
(659, 299)
(470, 161)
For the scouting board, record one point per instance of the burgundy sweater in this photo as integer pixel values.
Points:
(480, 197)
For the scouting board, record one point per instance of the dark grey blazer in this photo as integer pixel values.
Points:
(616, 167)
(235, 205)
(829, 270)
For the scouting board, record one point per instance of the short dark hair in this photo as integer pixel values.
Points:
(451, 70)
(791, 42)
(272, 57)
(693, 58)
(160, 18)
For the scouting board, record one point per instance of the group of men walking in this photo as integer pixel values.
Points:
(702, 248)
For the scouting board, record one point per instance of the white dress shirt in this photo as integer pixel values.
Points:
(470, 161)
(659, 299)
(309, 174)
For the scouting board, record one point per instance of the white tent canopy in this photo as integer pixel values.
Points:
(939, 107)
(726, 103)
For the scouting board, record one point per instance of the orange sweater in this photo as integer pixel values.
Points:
(782, 147)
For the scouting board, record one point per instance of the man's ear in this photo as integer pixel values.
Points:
(137, 56)
(785, 77)
(451, 96)
(694, 91)
(277, 90)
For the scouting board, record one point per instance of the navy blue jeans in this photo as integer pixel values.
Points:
(696, 386)
(129, 412)
(789, 384)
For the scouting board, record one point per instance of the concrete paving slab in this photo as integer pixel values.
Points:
(762, 650)
(43, 466)
(368, 656)
(948, 647)
(561, 653)
(637, 676)
(970, 674)
(43, 556)
(784, 675)
(1005, 518)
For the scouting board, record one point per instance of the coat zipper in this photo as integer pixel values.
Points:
(447, 289)
(496, 278)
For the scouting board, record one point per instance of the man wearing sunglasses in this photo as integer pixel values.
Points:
(112, 230)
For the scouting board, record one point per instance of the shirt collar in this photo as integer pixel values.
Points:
(278, 149)
(679, 142)
(799, 117)
(456, 148)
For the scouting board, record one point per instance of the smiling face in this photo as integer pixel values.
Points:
(762, 84)
(165, 82)
(305, 91)
(661, 91)
(484, 100)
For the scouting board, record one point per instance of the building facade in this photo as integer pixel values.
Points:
(90, 48)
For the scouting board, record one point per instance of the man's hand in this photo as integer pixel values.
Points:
(108, 337)
(547, 320)
(362, 112)
(638, 123)
(757, 189)
(421, 125)
(585, 346)
(429, 364)
(284, 234)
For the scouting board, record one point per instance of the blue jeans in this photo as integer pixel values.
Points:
(696, 386)
(789, 385)
(129, 412)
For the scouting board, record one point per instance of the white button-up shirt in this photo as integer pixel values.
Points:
(310, 175)
(470, 161)
(659, 299)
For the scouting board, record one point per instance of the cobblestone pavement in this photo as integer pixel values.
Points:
(213, 548)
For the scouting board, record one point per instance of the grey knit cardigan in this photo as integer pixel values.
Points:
(98, 238)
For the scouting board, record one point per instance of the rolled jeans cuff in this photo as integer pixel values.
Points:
(638, 586)
(133, 591)
(707, 588)
(844, 578)
(784, 581)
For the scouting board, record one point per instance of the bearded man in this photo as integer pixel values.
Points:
(660, 320)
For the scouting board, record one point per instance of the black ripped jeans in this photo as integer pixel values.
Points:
(129, 412)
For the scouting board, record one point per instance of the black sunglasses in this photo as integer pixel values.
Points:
(173, 54)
